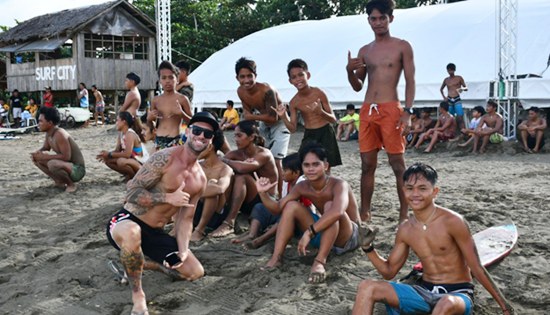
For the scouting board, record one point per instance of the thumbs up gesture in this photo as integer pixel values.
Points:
(179, 198)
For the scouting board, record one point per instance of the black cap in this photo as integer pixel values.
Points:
(205, 117)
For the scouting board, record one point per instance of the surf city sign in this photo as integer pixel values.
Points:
(52, 73)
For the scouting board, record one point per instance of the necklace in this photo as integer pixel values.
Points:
(425, 224)
(327, 178)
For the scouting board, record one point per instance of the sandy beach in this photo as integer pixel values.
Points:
(54, 254)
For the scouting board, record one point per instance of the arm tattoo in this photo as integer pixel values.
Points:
(270, 100)
(141, 189)
(133, 265)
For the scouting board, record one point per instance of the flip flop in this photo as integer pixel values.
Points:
(119, 272)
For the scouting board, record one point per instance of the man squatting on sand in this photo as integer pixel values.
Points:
(442, 240)
(168, 185)
(383, 121)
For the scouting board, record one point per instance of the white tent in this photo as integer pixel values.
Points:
(463, 33)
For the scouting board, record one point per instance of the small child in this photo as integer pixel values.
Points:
(261, 218)
(477, 112)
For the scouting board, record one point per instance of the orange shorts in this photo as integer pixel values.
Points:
(379, 128)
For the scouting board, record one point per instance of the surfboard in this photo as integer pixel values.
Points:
(493, 244)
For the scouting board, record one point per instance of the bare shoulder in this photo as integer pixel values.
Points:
(452, 220)
(159, 159)
(317, 92)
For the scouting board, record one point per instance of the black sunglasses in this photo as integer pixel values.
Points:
(196, 130)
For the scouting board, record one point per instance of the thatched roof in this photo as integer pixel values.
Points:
(66, 23)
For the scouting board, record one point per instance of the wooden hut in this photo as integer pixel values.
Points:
(97, 44)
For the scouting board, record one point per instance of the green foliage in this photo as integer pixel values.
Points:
(202, 27)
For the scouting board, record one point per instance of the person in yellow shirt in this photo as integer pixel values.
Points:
(348, 125)
(230, 117)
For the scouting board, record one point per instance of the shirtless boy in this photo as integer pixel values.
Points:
(213, 199)
(384, 122)
(333, 230)
(99, 105)
(532, 131)
(316, 111)
(455, 85)
(444, 130)
(169, 184)
(169, 108)
(250, 157)
(132, 101)
(184, 86)
(489, 128)
(258, 101)
(442, 240)
(66, 166)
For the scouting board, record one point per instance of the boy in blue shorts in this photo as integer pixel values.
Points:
(442, 240)
(455, 85)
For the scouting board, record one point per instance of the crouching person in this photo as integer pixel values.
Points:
(334, 229)
(169, 184)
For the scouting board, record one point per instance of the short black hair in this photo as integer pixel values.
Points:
(492, 103)
(451, 66)
(218, 140)
(444, 105)
(94, 87)
(292, 162)
(184, 65)
(246, 64)
(479, 109)
(384, 6)
(422, 170)
(230, 102)
(127, 117)
(134, 77)
(350, 107)
(534, 109)
(296, 63)
(83, 84)
(50, 114)
(315, 148)
(15, 90)
(165, 64)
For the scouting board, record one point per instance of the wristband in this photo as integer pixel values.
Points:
(368, 249)
(312, 230)
(110, 155)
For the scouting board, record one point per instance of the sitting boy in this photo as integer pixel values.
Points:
(348, 125)
(334, 230)
(477, 113)
(532, 131)
(489, 128)
(444, 129)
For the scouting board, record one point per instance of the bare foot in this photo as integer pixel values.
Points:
(140, 305)
(59, 184)
(462, 145)
(427, 151)
(225, 229)
(272, 264)
(70, 188)
(242, 238)
(366, 217)
(318, 273)
(197, 236)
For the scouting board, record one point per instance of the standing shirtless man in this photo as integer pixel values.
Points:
(169, 108)
(442, 240)
(132, 101)
(169, 184)
(455, 85)
(259, 100)
(383, 121)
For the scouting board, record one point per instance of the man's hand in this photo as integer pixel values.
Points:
(280, 109)
(405, 123)
(179, 198)
(302, 244)
(263, 184)
(315, 107)
(153, 115)
(366, 235)
(102, 156)
(354, 63)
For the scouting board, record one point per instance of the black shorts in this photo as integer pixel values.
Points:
(155, 243)
(326, 137)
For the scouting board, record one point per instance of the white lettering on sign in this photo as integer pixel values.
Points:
(51, 73)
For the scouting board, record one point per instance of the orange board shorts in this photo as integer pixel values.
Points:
(379, 128)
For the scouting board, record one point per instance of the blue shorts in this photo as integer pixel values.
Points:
(455, 106)
(421, 299)
(262, 215)
(350, 245)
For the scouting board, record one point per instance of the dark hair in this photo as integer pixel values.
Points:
(350, 107)
(127, 117)
(50, 114)
(292, 162)
(184, 65)
(134, 77)
(230, 102)
(296, 63)
(249, 128)
(33, 99)
(420, 169)
(444, 105)
(451, 66)
(492, 103)
(384, 6)
(15, 90)
(534, 109)
(315, 148)
(165, 64)
(82, 83)
(479, 109)
(218, 140)
(94, 87)
(416, 112)
(246, 64)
